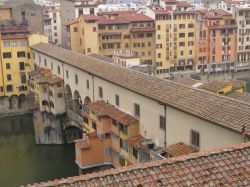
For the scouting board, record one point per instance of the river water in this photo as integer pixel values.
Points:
(23, 162)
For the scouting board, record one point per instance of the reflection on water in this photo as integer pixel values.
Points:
(23, 162)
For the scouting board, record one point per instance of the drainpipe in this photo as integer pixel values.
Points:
(93, 88)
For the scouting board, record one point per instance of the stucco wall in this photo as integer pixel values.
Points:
(178, 123)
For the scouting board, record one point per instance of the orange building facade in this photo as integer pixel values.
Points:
(106, 142)
(216, 41)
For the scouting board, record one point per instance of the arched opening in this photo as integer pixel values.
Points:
(77, 102)
(21, 100)
(68, 97)
(87, 100)
(72, 133)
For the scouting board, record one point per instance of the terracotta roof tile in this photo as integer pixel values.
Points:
(240, 96)
(179, 149)
(220, 110)
(214, 86)
(101, 108)
(229, 166)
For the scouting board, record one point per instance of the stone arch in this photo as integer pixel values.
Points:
(72, 133)
(77, 102)
(87, 100)
(68, 97)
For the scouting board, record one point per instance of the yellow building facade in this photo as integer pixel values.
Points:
(16, 60)
(175, 46)
(105, 33)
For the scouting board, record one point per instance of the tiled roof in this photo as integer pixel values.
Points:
(220, 110)
(188, 82)
(228, 166)
(134, 140)
(179, 149)
(101, 108)
(214, 86)
(123, 18)
(241, 96)
(183, 4)
(89, 17)
(237, 84)
(100, 57)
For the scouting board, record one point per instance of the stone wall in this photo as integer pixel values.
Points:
(48, 128)
(14, 105)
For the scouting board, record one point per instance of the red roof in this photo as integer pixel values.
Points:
(183, 4)
(179, 149)
(229, 166)
(101, 108)
(89, 17)
(123, 18)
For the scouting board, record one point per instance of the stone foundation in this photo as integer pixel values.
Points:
(48, 128)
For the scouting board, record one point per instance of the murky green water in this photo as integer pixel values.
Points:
(23, 162)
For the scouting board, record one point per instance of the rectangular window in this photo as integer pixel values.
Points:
(75, 29)
(58, 70)
(162, 122)
(23, 78)
(100, 92)
(135, 154)
(76, 79)
(45, 62)
(67, 73)
(9, 77)
(87, 84)
(137, 110)
(9, 88)
(20, 54)
(7, 65)
(21, 66)
(51, 65)
(117, 100)
(195, 139)
(7, 55)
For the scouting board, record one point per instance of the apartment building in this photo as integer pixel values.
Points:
(16, 59)
(23, 13)
(109, 129)
(52, 25)
(215, 41)
(48, 91)
(242, 16)
(70, 11)
(115, 31)
(175, 46)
